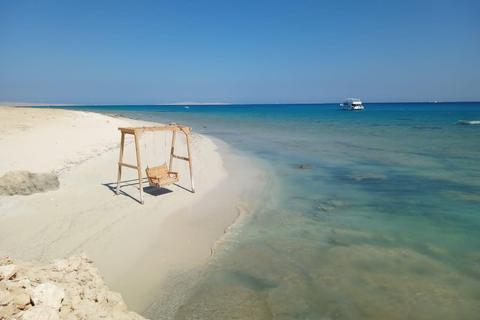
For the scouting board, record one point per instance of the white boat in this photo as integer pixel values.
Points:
(352, 104)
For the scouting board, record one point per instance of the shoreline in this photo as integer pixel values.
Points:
(128, 242)
(178, 284)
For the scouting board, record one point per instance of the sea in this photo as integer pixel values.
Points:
(371, 214)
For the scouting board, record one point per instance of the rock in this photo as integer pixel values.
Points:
(303, 166)
(5, 259)
(101, 295)
(115, 300)
(90, 294)
(59, 265)
(332, 204)
(24, 283)
(76, 302)
(83, 256)
(21, 298)
(8, 271)
(64, 311)
(325, 208)
(34, 273)
(40, 313)
(337, 203)
(27, 183)
(70, 289)
(49, 295)
(5, 298)
(359, 176)
(70, 316)
(113, 115)
(73, 265)
(54, 277)
(83, 312)
(7, 312)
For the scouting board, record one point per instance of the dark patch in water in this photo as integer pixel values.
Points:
(397, 186)
(338, 242)
(240, 278)
(427, 127)
(380, 125)
(302, 166)
(359, 176)
(331, 205)
(422, 270)
(370, 266)
(374, 149)
(316, 215)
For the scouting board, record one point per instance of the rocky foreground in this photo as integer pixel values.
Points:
(64, 289)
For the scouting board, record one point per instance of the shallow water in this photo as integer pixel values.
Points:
(382, 224)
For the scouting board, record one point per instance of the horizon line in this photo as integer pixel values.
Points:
(35, 104)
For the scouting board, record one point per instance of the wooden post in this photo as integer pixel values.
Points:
(190, 158)
(172, 149)
(139, 166)
(122, 144)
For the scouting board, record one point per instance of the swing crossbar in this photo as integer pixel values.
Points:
(181, 158)
(172, 176)
(127, 165)
(139, 130)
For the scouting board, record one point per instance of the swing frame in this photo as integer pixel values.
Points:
(136, 132)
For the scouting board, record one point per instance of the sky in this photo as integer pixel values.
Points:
(154, 52)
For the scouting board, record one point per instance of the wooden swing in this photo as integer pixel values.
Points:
(158, 176)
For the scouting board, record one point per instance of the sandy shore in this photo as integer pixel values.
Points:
(137, 248)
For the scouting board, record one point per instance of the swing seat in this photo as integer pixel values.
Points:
(160, 176)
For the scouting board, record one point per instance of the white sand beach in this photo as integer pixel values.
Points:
(136, 247)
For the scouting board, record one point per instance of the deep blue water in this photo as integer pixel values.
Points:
(384, 223)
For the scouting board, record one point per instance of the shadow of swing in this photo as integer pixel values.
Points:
(112, 186)
(156, 191)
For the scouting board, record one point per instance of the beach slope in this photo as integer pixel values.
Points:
(134, 246)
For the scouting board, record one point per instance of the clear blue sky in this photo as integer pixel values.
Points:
(122, 52)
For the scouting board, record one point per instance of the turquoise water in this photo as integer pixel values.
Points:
(384, 223)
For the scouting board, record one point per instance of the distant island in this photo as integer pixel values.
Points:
(192, 103)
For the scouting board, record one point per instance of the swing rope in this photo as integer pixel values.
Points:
(155, 161)
(145, 146)
(154, 148)
(160, 176)
(165, 145)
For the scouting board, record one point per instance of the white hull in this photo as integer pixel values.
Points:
(350, 108)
